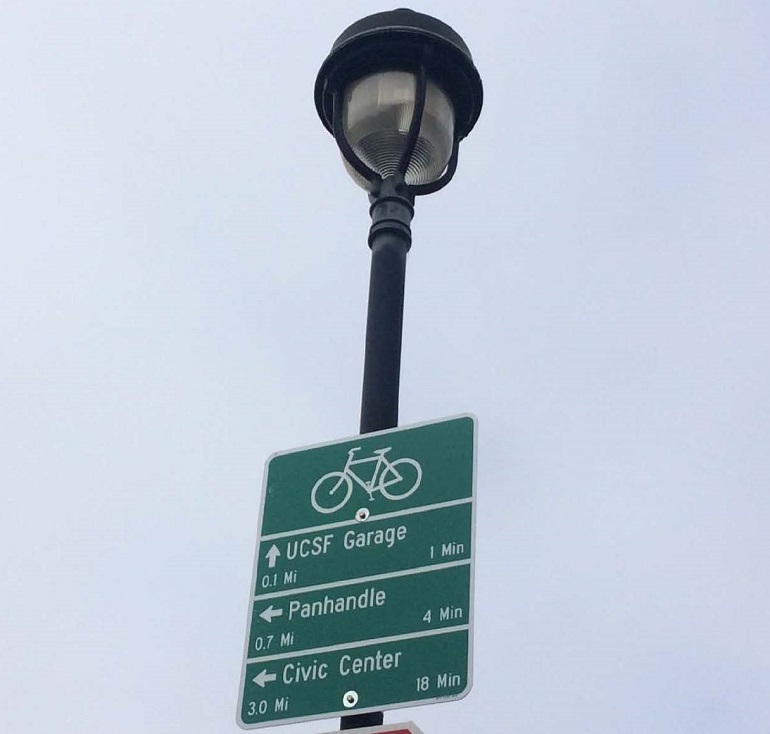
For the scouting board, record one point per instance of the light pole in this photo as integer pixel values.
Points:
(398, 91)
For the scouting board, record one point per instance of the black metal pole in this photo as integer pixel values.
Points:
(389, 239)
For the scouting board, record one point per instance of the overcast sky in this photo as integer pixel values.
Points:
(183, 275)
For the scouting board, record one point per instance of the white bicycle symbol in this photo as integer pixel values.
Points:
(333, 490)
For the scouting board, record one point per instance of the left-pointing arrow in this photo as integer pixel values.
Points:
(263, 677)
(271, 613)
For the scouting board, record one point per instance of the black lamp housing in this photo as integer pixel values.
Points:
(401, 40)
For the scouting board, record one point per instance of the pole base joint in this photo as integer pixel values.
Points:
(392, 210)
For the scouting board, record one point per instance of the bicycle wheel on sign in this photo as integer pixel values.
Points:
(411, 475)
(328, 494)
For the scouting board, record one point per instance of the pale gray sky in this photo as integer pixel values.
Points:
(183, 276)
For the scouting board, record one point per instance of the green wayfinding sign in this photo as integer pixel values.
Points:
(362, 591)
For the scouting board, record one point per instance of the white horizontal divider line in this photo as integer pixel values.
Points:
(372, 518)
(360, 643)
(362, 580)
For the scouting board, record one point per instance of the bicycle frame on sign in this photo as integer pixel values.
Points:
(380, 460)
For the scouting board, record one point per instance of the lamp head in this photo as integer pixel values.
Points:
(398, 91)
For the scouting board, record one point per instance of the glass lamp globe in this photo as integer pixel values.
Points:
(376, 114)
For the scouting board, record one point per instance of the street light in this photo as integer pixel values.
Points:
(398, 91)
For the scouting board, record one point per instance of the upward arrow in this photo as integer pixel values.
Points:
(271, 555)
